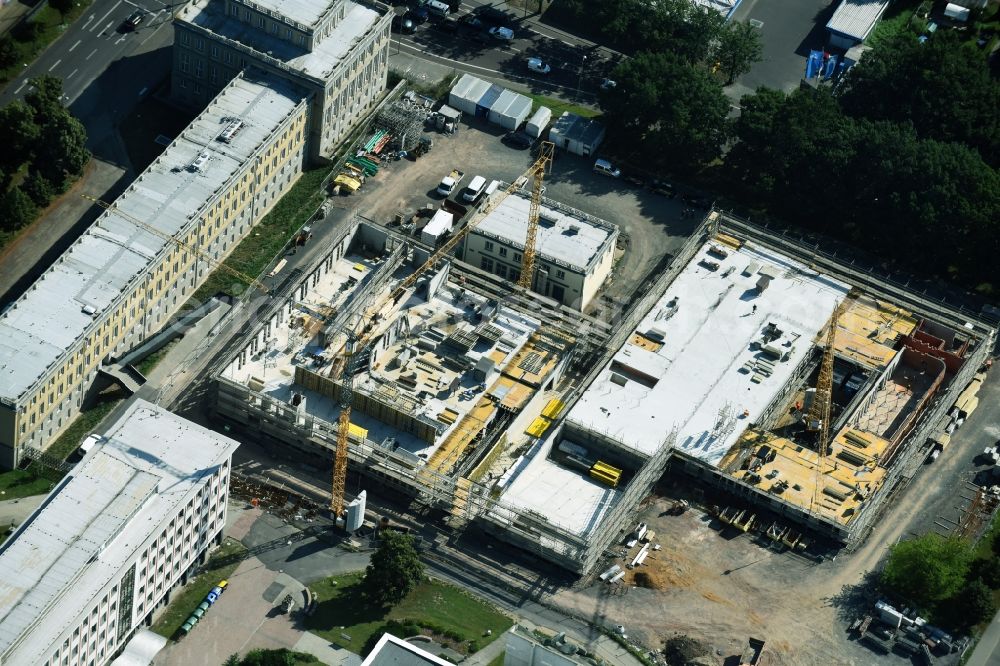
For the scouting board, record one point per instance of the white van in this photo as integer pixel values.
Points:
(438, 7)
(607, 168)
(474, 189)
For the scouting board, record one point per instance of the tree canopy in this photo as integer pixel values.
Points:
(875, 183)
(671, 112)
(737, 49)
(395, 569)
(928, 569)
(943, 87)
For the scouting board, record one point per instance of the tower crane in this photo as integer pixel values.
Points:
(818, 417)
(187, 247)
(356, 340)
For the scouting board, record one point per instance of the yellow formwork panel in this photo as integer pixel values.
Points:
(357, 432)
(458, 440)
(867, 331)
(538, 427)
(553, 408)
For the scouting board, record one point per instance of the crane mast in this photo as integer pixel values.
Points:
(538, 176)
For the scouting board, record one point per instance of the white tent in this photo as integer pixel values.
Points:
(538, 122)
(467, 92)
(956, 12)
(510, 110)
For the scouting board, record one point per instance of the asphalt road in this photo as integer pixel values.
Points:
(91, 44)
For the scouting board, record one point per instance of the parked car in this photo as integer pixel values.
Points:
(502, 34)
(447, 25)
(491, 15)
(471, 20)
(518, 140)
(662, 187)
(134, 19)
(419, 15)
(608, 84)
(539, 66)
(607, 168)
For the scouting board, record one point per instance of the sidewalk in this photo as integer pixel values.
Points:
(987, 652)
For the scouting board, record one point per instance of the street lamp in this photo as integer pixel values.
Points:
(580, 75)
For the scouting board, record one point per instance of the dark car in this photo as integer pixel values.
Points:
(446, 25)
(133, 20)
(662, 187)
(518, 140)
(471, 20)
(491, 15)
(419, 15)
(404, 24)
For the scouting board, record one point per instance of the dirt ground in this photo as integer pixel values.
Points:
(652, 223)
(722, 589)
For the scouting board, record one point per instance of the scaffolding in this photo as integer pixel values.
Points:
(404, 120)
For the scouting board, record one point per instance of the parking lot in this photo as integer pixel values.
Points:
(652, 223)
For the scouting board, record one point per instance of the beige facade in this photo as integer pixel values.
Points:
(118, 282)
(337, 50)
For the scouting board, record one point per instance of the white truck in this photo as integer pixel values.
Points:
(450, 182)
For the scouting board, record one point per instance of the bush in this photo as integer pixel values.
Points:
(473, 647)
(28, 31)
(16, 209)
(8, 52)
(986, 570)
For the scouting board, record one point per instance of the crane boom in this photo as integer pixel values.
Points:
(356, 341)
(538, 176)
(187, 247)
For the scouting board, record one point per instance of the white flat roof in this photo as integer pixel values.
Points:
(565, 236)
(318, 63)
(856, 18)
(708, 320)
(566, 497)
(48, 319)
(79, 539)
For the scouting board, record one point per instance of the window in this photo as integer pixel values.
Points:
(215, 51)
(503, 252)
(486, 264)
(489, 246)
(517, 256)
(502, 270)
(560, 274)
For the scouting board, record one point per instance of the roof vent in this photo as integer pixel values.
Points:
(232, 129)
(200, 163)
(572, 230)
(89, 310)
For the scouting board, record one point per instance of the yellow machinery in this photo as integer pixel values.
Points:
(606, 474)
(176, 241)
(356, 341)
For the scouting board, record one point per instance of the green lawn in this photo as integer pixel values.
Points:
(83, 425)
(558, 107)
(48, 25)
(497, 660)
(267, 238)
(432, 605)
(19, 483)
(146, 365)
(220, 566)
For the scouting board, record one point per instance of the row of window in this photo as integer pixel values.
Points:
(502, 251)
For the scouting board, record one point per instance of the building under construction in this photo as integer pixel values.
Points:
(500, 406)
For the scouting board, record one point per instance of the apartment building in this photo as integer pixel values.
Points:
(106, 547)
(574, 251)
(337, 50)
(119, 282)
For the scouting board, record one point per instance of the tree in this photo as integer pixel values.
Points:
(45, 97)
(61, 151)
(978, 602)
(394, 570)
(18, 133)
(928, 569)
(738, 48)
(8, 52)
(16, 209)
(943, 87)
(671, 111)
(61, 6)
(38, 188)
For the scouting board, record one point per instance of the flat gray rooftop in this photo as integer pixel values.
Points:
(318, 63)
(304, 12)
(79, 539)
(49, 318)
(565, 236)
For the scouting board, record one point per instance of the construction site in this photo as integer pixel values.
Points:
(802, 394)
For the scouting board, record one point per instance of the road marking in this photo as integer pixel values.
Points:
(101, 20)
(120, 40)
(74, 46)
(89, 19)
(21, 87)
(110, 23)
(91, 54)
(55, 64)
(142, 91)
(71, 74)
